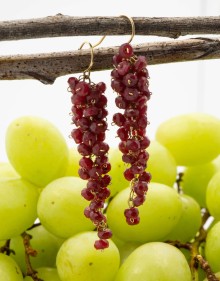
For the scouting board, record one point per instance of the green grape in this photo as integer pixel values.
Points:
(161, 164)
(193, 139)
(46, 274)
(213, 196)
(158, 215)
(61, 207)
(36, 149)
(78, 260)
(155, 261)
(7, 171)
(118, 182)
(9, 270)
(196, 179)
(189, 222)
(212, 247)
(18, 206)
(126, 249)
(46, 245)
(73, 164)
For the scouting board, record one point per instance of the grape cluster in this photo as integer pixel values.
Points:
(89, 115)
(130, 81)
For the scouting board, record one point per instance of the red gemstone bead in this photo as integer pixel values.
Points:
(132, 145)
(122, 133)
(133, 221)
(83, 173)
(139, 200)
(90, 111)
(141, 188)
(96, 205)
(121, 102)
(102, 101)
(126, 51)
(97, 216)
(145, 176)
(117, 86)
(122, 147)
(130, 80)
(145, 142)
(98, 126)
(87, 194)
(105, 234)
(83, 149)
(140, 63)
(87, 211)
(105, 181)
(77, 135)
(86, 163)
(106, 167)
(84, 123)
(95, 172)
(100, 148)
(131, 212)
(89, 138)
(82, 88)
(130, 94)
(72, 81)
(103, 194)
(119, 119)
(128, 174)
(101, 244)
(116, 59)
(123, 68)
(128, 158)
(114, 74)
(101, 87)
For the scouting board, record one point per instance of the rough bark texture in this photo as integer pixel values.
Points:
(47, 67)
(61, 25)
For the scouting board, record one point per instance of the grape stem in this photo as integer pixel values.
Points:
(29, 251)
(178, 182)
(6, 248)
(196, 258)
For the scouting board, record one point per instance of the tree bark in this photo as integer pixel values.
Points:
(47, 67)
(61, 25)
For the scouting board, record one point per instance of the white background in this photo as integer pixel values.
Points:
(177, 88)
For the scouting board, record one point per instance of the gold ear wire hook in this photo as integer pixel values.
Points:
(92, 54)
(132, 27)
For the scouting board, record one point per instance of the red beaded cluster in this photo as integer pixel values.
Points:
(130, 81)
(89, 116)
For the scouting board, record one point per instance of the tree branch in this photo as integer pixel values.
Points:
(47, 67)
(61, 25)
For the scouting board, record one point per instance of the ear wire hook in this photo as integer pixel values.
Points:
(132, 27)
(86, 72)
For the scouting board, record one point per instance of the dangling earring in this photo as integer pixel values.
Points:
(89, 116)
(130, 82)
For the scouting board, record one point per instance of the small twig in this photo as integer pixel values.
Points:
(6, 248)
(29, 251)
(48, 66)
(62, 25)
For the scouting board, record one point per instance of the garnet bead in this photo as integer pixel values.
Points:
(126, 51)
(101, 244)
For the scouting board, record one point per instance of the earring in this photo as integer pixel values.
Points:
(89, 116)
(130, 82)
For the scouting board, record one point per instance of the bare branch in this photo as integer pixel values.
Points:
(61, 25)
(47, 67)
